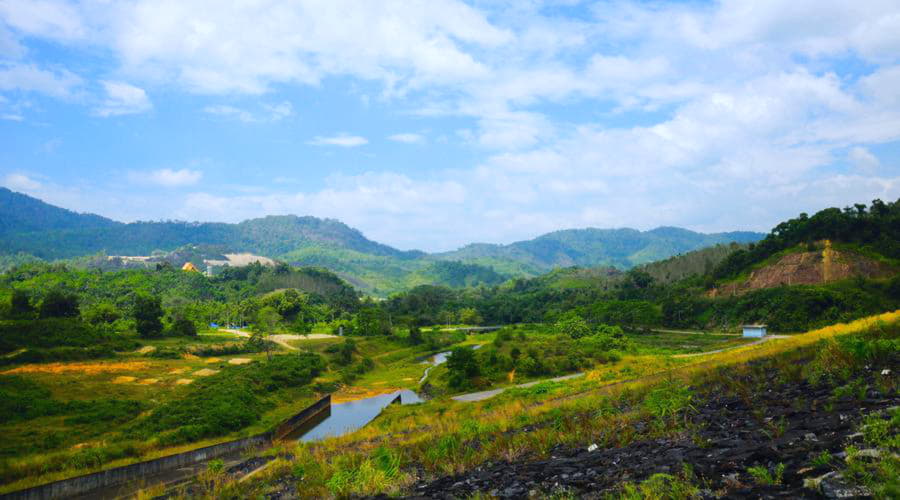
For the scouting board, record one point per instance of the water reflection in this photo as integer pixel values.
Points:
(347, 417)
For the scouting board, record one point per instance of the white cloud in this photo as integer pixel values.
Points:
(721, 115)
(407, 138)
(167, 177)
(225, 110)
(50, 19)
(21, 182)
(863, 159)
(396, 42)
(279, 111)
(342, 140)
(269, 112)
(123, 99)
(31, 78)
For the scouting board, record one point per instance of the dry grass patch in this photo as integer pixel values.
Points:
(184, 381)
(124, 379)
(83, 368)
(205, 372)
(239, 361)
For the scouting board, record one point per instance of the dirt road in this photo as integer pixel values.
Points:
(283, 338)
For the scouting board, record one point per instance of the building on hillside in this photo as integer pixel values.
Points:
(754, 331)
(189, 267)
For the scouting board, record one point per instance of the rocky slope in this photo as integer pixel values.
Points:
(789, 424)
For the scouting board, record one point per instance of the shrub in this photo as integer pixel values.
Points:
(59, 304)
(228, 401)
(183, 327)
(49, 333)
(667, 402)
(23, 399)
(147, 315)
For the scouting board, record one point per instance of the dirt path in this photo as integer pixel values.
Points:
(689, 332)
(283, 338)
(481, 396)
(755, 342)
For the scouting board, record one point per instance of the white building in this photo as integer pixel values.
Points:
(756, 331)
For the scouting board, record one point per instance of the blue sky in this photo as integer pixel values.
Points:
(431, 124)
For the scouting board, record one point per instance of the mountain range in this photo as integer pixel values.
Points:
(30, 226)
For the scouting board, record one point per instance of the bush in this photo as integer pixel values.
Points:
(55, 354)
(48, 333)
(59, 304)
(23, 399)
(147, 315)
(183, 327)
(228, 401)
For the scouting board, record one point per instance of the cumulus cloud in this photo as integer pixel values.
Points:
(123, 99)
(46, 18)
(341, 140)
(167, 177)
(723, 115)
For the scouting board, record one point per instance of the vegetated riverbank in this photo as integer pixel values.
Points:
(433, 447)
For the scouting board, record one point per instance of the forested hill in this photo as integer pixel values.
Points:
(37, 228)
(21, 214)
(620, 248)
(30, 227)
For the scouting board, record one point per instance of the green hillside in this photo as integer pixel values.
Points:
(34, 229)
(620, 248)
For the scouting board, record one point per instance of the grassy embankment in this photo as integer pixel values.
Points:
(74, 440)
(411, 443)
(70, 418)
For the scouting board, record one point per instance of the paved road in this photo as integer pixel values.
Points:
(481, 396)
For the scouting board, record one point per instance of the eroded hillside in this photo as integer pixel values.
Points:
(808, 268)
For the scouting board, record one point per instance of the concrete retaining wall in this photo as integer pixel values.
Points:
(83, 485)
(301, 418)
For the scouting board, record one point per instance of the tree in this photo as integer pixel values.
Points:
(184, 327)
(20, 305)
(573, 325)
(59, 304)
(101, 314)
(147, 315)
(462, 366)
(372, 320)
(469, 316)
(415, 335)
(267, 320)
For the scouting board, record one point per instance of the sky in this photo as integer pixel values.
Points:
(432, 124)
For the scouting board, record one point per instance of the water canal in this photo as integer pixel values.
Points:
(344, 418)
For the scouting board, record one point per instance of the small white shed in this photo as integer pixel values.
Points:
(755, 331)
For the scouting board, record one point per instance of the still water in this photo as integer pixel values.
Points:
(347, 417)
(344, 418)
